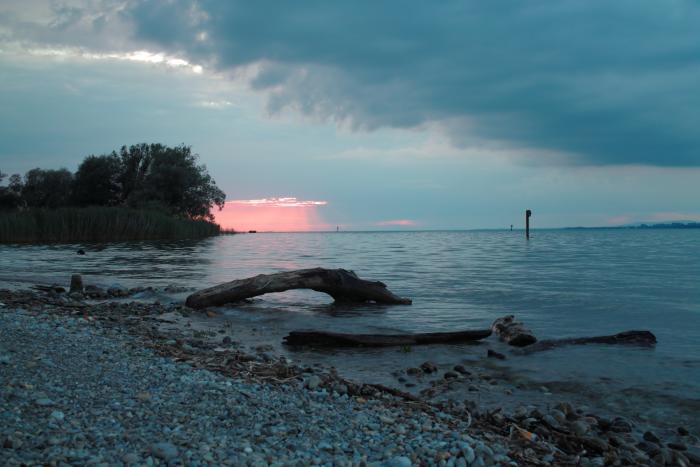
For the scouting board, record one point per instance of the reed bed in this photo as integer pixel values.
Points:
(98, 224)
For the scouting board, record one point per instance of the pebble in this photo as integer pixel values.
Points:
(580, 428)
(57, 415)
(313, 381)
(428, 367)
(43, 402)
(164, 450)
(651, 437)
(400, 461)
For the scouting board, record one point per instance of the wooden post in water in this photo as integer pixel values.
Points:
(528, 213)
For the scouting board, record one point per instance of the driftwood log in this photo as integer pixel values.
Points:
(513, 332)
(641, 338)
(342, 285)
(335, 339)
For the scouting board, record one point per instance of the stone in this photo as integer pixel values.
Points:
(493, 354)
(400, 461)
(683, 431)
(414, 371)
(451, 375)
(76, 283)
(4, 359)
(428, 367)
(558, 415)
(313, 381)
(620, 425)
(651, 437)
(57, 415)
(677, 446)
(580, 428)
(461, 370)
(664, 457)
(43, 402)
(164, 450)
(649, 448)
(130, 458)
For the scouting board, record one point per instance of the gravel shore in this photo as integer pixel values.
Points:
(75, 392)
(117, 382)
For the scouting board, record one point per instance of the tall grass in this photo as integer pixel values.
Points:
(97, 224)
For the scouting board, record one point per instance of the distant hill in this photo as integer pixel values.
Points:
(650, 225)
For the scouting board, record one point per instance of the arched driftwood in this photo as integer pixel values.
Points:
(342, 285)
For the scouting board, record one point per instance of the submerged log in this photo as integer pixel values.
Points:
(641, 338)
(513, 332)
(336, 339)
(342, 285)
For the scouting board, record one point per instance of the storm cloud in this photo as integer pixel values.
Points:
(596, 81)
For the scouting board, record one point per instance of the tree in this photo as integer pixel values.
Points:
(97, 181)
(47, 188)
(9, 198)
(169, 178)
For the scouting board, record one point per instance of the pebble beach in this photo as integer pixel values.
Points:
(84, 383)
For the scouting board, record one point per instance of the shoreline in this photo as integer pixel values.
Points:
(564, 435)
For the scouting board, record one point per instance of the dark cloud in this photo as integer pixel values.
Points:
(608, 82)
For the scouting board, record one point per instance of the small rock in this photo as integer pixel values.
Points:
(451, 375)
(651, 437)
(130, 458)
(43, 402)
(664, 457)
(11, 443)
(461, 370)
(414, 371)
(677, 446)
(428, 367)
(683, 431)
(57, 415)
(4, 359)
(580, 428)
(620, 425)
(164, 450)
(400, 461)
(558, 415)
(551, 421)
(493, 354)
(313, 382)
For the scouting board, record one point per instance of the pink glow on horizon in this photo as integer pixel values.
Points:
(402, 222)
(288, 202)
(286, 214)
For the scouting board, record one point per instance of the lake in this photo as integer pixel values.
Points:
(560, 283)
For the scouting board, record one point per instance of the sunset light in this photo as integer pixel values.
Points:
(283, 214)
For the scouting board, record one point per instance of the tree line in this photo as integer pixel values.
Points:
(144, 176)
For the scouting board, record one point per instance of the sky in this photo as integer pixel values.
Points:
(369, 115)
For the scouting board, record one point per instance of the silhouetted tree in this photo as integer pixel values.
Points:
(10, 198)
(143, 176)
(154, 175)
(47, 188)
(96, 182)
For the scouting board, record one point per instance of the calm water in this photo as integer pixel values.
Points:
(560, 283)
